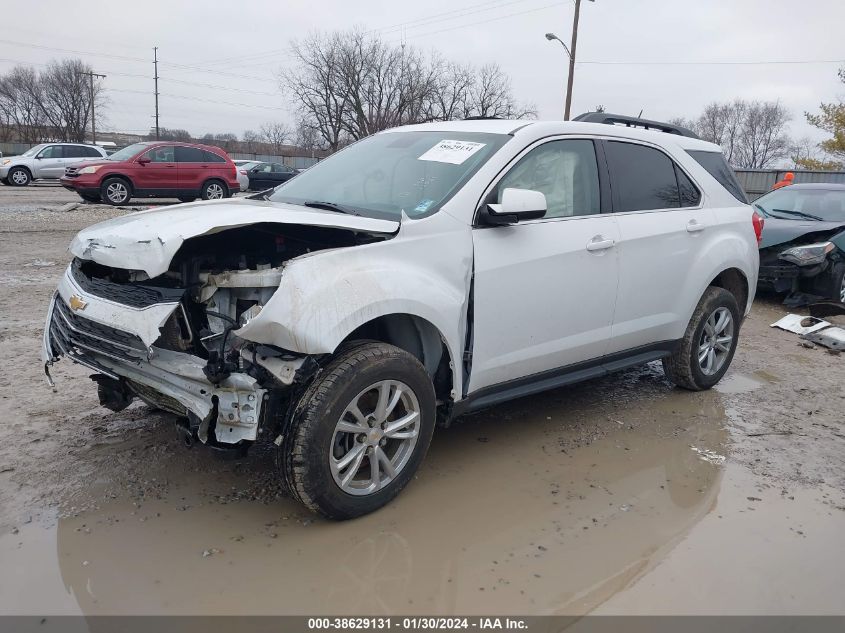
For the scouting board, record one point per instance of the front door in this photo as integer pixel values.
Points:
(159, 176)
(50, 163)
(545, 290)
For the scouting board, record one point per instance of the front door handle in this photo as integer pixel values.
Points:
(694, 226)
(598, 243)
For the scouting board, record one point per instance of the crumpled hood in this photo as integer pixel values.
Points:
(148, 240)
(777, 231)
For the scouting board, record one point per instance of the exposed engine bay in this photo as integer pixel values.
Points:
(197, 367)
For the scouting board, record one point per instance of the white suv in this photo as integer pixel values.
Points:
(419, 274)
(46, 161)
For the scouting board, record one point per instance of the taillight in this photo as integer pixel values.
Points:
(243, 171)
(758, 222)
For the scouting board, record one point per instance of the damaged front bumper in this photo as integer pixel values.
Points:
(117, 341)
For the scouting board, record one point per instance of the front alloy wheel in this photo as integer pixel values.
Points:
(115, 191)
(359, 432)
(375, 437)
(19, 176)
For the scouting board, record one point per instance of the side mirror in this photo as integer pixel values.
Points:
(144, 160)
(39, 157)
(517, 205)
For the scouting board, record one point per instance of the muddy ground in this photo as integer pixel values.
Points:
(619, 495)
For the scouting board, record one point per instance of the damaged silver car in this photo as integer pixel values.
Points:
(416, 275)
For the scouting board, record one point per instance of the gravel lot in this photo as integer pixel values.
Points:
(619, 495)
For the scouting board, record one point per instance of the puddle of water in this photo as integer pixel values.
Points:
(737, 383)
(535, 519)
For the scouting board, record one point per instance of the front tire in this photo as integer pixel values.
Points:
(19, 177)
(837, 285)
(359, 432)
(115, 191)
(92, 199)
(707, 348)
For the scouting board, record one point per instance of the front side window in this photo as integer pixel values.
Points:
(566, 172)
(53, 151)
(129, 151)
(162, 154)
(387, 174)
(642, 177)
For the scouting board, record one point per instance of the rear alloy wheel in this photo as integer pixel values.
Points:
(359, 432)
(214, 190)
(115, 191)
(19, 177)
(705, 352)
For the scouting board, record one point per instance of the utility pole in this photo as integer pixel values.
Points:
(91, 76)
(570, 50)
(155, 64)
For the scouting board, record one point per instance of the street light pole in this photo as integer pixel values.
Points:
(570, 51)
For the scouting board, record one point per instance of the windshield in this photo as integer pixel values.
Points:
(32, 151)
(129, 151)
(385, 174)
(804, 204)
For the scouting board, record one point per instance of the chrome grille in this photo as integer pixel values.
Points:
(75, 335)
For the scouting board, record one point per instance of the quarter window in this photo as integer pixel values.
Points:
(211, 157)
(566, 172)
(642, 177)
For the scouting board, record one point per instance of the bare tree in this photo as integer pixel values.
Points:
(170, 134)
(252, 142)
(276, 135)
(806, 154)
(20, 104)
(752, 134)
(351, 84)
(66, 100)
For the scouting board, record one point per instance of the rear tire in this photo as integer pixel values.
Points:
(214, 190)
(115, 191)
(187, 198)
(19, 177)
(384, 386)
(707, 348)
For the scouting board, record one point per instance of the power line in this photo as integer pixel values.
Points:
(445, 18)
(715, 63)
(407, 24)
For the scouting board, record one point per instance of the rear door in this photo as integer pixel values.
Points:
(663, 228)
(261, 177)
(192, 167)
(544, 290)
(159, 176)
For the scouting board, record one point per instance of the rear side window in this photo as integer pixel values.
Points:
(211, 157)
(642, 177)
(716, 166)
(74, 151)
(92, 151)
(189, 155)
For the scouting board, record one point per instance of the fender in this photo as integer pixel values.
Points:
(425, 271)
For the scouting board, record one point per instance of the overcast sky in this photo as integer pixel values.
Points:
(636, 37)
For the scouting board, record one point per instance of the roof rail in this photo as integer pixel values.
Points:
(632, 121)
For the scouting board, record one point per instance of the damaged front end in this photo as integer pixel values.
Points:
(175, 340)
(805, 265)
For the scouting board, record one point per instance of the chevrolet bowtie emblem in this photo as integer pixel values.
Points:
(76, 303)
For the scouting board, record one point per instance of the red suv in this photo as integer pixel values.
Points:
(155, 170)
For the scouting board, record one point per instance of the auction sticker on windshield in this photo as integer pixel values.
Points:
(455, 152)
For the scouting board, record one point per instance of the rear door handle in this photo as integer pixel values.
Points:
(694, 226)
(598, 243)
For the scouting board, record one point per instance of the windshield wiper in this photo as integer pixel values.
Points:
(329, 206)
(800, 214)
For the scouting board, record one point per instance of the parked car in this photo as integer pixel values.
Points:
(45, 162)
(268, 175)
(243, 171)
(155, 170)
(803, 247)
(416, 275)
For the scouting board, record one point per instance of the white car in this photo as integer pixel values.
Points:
(46, 161)
(419, 274)
(243, 167)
